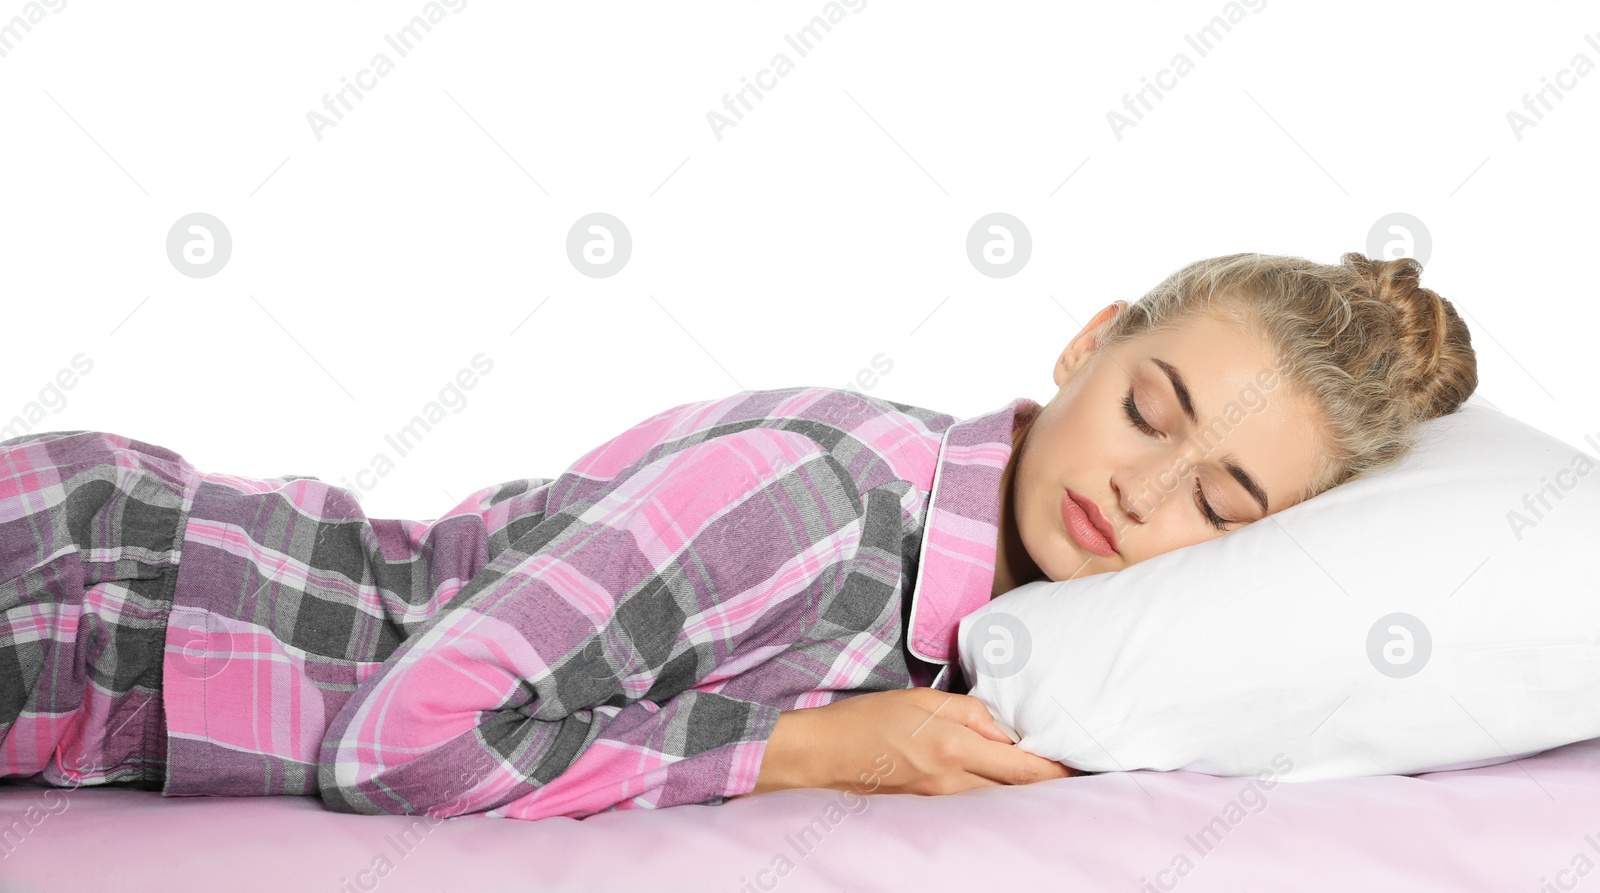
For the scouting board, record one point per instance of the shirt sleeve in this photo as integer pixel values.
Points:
(578, 671)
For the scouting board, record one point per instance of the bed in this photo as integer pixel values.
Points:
(1526, 825)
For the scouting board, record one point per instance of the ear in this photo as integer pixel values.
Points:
(1083, 346)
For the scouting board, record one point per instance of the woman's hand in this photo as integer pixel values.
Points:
(914, 740)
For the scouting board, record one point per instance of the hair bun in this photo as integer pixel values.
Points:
(1435, 350)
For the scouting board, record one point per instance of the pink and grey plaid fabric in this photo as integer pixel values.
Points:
(621, 636)
(89, 527)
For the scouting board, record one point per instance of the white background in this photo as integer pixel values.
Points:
(825, 229)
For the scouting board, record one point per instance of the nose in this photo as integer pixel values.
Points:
(1140, 492)
(1129, 504)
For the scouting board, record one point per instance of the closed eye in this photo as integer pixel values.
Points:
(1212, 517)
(1132, 411)
(1138, 421)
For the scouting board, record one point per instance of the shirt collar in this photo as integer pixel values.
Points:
(955, 570)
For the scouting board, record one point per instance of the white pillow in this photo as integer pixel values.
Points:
(1443, 614)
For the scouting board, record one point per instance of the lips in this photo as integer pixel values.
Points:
(1087, 525)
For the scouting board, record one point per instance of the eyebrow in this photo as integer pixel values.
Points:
(1184, 400)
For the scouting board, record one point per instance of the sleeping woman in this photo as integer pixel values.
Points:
(730, 597)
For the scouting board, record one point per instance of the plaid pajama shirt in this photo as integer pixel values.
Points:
(621, 636)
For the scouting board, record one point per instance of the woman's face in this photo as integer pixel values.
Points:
(1247, 426)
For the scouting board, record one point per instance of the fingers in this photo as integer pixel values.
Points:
(969, 780)
(991, 730)
(978, 781)
(1005, 764)
(1010, 732)
(992, 757)
(1021, 772)
(974, 714)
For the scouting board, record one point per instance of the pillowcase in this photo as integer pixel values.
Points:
(1442, 614)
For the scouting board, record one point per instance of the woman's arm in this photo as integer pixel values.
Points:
(914, 740)
(616, 653)
(784, 762)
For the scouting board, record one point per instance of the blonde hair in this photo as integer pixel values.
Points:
(1372, 350)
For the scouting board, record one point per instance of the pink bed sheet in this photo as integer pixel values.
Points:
(1532, 825)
